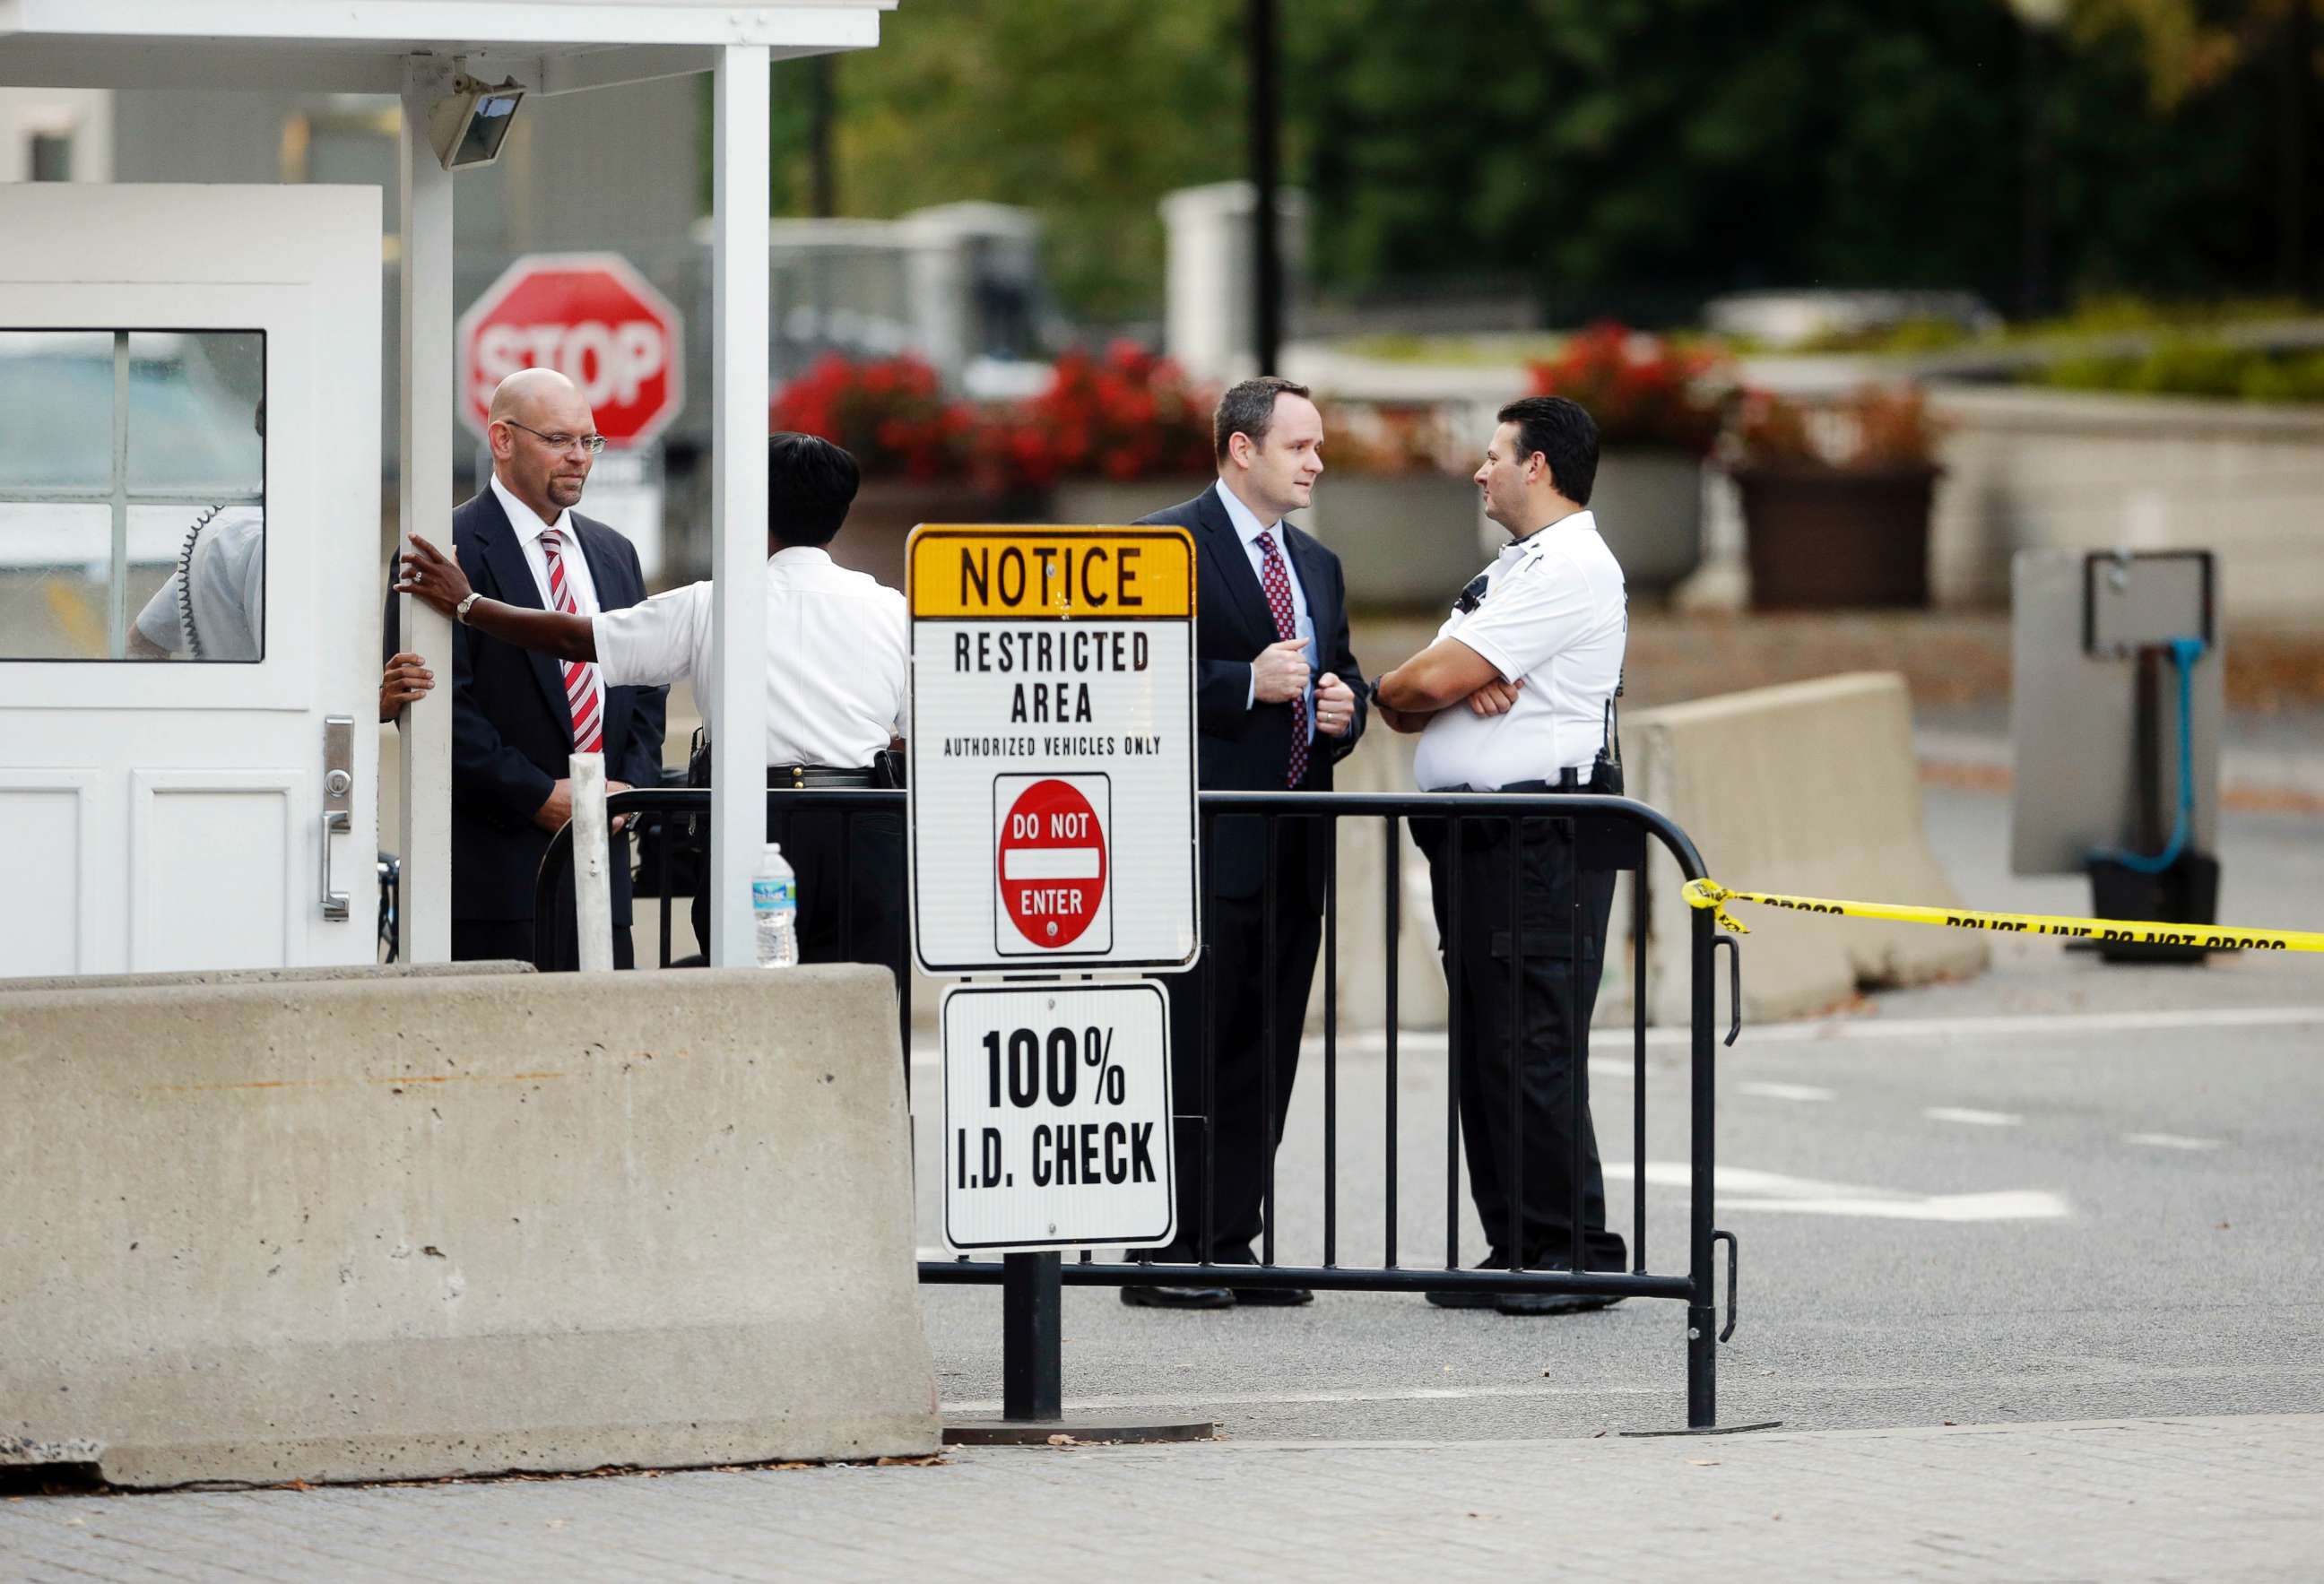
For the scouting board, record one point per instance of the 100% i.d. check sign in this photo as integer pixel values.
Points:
(1057, 1116)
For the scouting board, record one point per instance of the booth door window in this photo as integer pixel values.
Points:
(132, 495)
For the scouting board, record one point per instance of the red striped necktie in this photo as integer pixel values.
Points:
(584, 691)
(1277, 584)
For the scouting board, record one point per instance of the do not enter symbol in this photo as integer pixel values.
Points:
(1053, 864)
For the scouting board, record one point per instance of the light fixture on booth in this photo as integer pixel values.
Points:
(469, 126)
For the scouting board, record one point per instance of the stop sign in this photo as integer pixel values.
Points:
(1052, 859)
(594, 320)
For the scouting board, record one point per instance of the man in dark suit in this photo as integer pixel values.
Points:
(519, 717)
(1278, 701)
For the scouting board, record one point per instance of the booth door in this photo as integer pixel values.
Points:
(190, 559)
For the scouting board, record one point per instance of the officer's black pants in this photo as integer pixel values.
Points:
(852, 906)
(1524, 1002)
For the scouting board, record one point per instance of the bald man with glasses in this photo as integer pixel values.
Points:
(519, 717)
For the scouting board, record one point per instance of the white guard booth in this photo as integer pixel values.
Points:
(220, 810)
(326, 1224)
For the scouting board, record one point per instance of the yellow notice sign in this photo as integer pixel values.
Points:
(1087, 574)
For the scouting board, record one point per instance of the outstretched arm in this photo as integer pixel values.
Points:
(438, 579)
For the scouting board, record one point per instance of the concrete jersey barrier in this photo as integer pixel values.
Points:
(434, 1225)
(310, 975)
(1811, 788)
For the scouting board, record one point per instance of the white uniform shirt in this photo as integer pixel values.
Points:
(837, 648)
(1247, 528)
(220, 586)
(529, 529)
(1554, 616)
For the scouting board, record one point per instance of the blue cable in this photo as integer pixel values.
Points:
(2184, 653)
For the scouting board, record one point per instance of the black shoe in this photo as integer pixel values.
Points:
(1272, 1297)
(1550, 1302)
(1143, 1297)
(1471, 1297)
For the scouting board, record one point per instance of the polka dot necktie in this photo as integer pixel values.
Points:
(584, 691)
(1278, 581)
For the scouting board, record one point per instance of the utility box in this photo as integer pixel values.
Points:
(2117, 755)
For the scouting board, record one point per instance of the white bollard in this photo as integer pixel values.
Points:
(593, 881)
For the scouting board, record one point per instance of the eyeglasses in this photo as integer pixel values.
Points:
(592, 444)
(1473, 594)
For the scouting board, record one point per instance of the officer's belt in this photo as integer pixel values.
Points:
(1568, 781)
(796, 778)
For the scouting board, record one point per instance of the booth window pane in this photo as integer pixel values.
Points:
(56, 410)
(49, 156)
(197, 582)
(133, 478)
(55, 581)
(195, 413)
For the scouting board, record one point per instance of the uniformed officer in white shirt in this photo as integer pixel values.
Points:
(837, 648)
(1517, 694)
(213, 604)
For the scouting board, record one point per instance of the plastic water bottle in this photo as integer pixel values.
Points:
(774, 908)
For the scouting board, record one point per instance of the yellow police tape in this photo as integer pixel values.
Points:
(1706, 894)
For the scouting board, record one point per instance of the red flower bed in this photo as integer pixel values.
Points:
(1125, 415)
(1642, 389)
(891, 413)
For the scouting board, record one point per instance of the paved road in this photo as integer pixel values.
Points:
(2180, 1500)
(2067, 1191)
(2064, 1194)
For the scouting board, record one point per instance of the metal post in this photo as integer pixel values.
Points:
(2033, 197)
(823, 98)
(592, 880)
(2295, 99)
(1330, 1047)
(1392, 916)
(1701, 1314)
(424, 492)
(1031, 1374)
(738, 490)
(1266, 179)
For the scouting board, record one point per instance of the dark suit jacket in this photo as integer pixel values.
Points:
(1247, 748)
(512, 730)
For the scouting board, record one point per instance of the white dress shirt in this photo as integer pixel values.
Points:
(215, 598)
(1248, 529)
(837, 653)
(529, 529)
(1555, 615)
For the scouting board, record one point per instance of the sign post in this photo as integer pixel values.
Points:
(1052, 820)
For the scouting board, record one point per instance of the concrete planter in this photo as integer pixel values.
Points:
(1649, 503)
(1080, 501)
(886, 511)
(1822, 538)
(1406, 541)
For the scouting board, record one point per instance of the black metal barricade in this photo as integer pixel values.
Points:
(667, 845)
(1605, 834)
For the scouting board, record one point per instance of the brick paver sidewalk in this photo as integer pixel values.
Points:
(2184, 1498)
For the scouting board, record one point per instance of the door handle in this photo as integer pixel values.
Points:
(338, 803)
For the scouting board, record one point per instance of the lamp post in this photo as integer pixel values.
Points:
(2037, 19)
(1265, 177)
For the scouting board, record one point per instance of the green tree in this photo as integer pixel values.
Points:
(1088, 110)
(1625, 156)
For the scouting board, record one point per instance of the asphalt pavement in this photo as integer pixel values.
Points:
(2028, 1267)
(2066, 1190)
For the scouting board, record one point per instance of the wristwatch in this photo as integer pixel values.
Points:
(460, 610)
